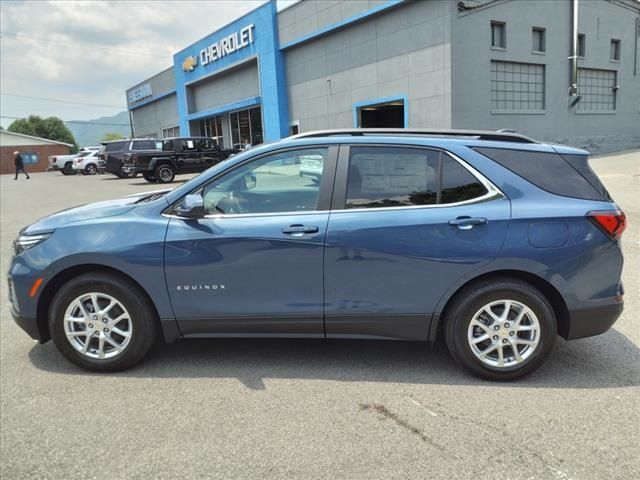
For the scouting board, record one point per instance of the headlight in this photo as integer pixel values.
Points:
(25, 242)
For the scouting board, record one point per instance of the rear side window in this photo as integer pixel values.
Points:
(115, 146)
(147, 145)
(398, 177)
(548, 171)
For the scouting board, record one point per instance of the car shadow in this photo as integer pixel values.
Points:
(608, 361)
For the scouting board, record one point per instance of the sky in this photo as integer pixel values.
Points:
(85, 54)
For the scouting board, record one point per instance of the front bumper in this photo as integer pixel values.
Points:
(26, 323)
(593, 321)
(29, 325)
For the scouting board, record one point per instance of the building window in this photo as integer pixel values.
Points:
(171, 132)
(538, 39)
(582, 46)
(29, 158)
(517, 87)
(597, 89)
(615, 49)
(498, 35)
(212, 127)
(246, 127)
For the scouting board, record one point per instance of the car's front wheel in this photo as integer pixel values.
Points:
(102, 322)
(500, 329)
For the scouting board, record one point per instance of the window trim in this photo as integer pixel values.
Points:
(584, 50)
(340, 189)
(618, 43)
(497, 23)
(543, 40)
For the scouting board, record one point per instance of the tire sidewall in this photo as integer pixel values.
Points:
(463, 314)
(126, 293)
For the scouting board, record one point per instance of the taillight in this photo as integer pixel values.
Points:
(134, 158)
(611, 222)
(54, 159)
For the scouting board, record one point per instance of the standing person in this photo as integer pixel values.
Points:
(19, 165)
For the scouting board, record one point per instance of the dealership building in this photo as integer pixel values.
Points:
(561, 71)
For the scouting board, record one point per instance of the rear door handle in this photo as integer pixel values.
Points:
(467, 223)
(299, 229)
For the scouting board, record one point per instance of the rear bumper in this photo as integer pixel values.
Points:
(593, 321)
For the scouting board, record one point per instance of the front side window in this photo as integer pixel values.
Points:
(399, 177)
(271, 184)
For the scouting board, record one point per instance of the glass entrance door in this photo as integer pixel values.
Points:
(246, 127)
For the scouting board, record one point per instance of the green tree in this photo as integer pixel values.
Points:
(108, 137)
(51, 128)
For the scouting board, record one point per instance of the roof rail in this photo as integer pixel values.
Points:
(503, 136)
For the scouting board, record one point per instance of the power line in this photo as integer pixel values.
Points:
(62, 101)
(76, 121)
(86, 46)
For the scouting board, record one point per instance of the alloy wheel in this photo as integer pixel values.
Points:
(504, 333)
(97, 325)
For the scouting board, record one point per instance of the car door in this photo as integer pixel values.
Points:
(406, 223)
(253, 264)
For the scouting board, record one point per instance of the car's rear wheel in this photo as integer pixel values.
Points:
(500, 329)
(102, 322)
(164, 173)
(90, 169)
(149, 178)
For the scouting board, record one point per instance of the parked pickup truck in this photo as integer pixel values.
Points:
(62, 163)
(178, 155)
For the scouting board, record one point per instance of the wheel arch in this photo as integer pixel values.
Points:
(550, 292)
(156, 161)
(62, 277)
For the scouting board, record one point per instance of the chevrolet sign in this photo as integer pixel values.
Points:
(227, 45)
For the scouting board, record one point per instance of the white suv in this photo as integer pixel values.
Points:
(86, 162)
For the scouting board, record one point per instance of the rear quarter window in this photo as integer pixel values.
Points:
(147, 145)
(114, 146)
(548, 171)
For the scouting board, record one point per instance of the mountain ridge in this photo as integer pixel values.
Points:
(91, 132)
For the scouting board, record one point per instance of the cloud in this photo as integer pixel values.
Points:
(88, 51)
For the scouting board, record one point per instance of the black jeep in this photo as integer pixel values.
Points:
(175, 156)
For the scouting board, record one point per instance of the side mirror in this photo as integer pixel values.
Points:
(250, 181)
(192, 206)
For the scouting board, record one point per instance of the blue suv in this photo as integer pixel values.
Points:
(490, 240)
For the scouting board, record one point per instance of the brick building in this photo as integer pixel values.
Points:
(35, 150)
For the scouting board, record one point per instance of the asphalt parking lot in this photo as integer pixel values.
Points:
(314, 409)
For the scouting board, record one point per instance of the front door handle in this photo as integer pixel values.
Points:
(467, 223)
(299, 229)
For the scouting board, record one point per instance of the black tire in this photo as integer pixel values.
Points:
(460, 314)
(65, 172)
(164, 173)
(141, 312)
(149, 178)
(90, 169)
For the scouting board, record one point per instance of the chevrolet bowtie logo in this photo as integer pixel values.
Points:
(189, 64)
